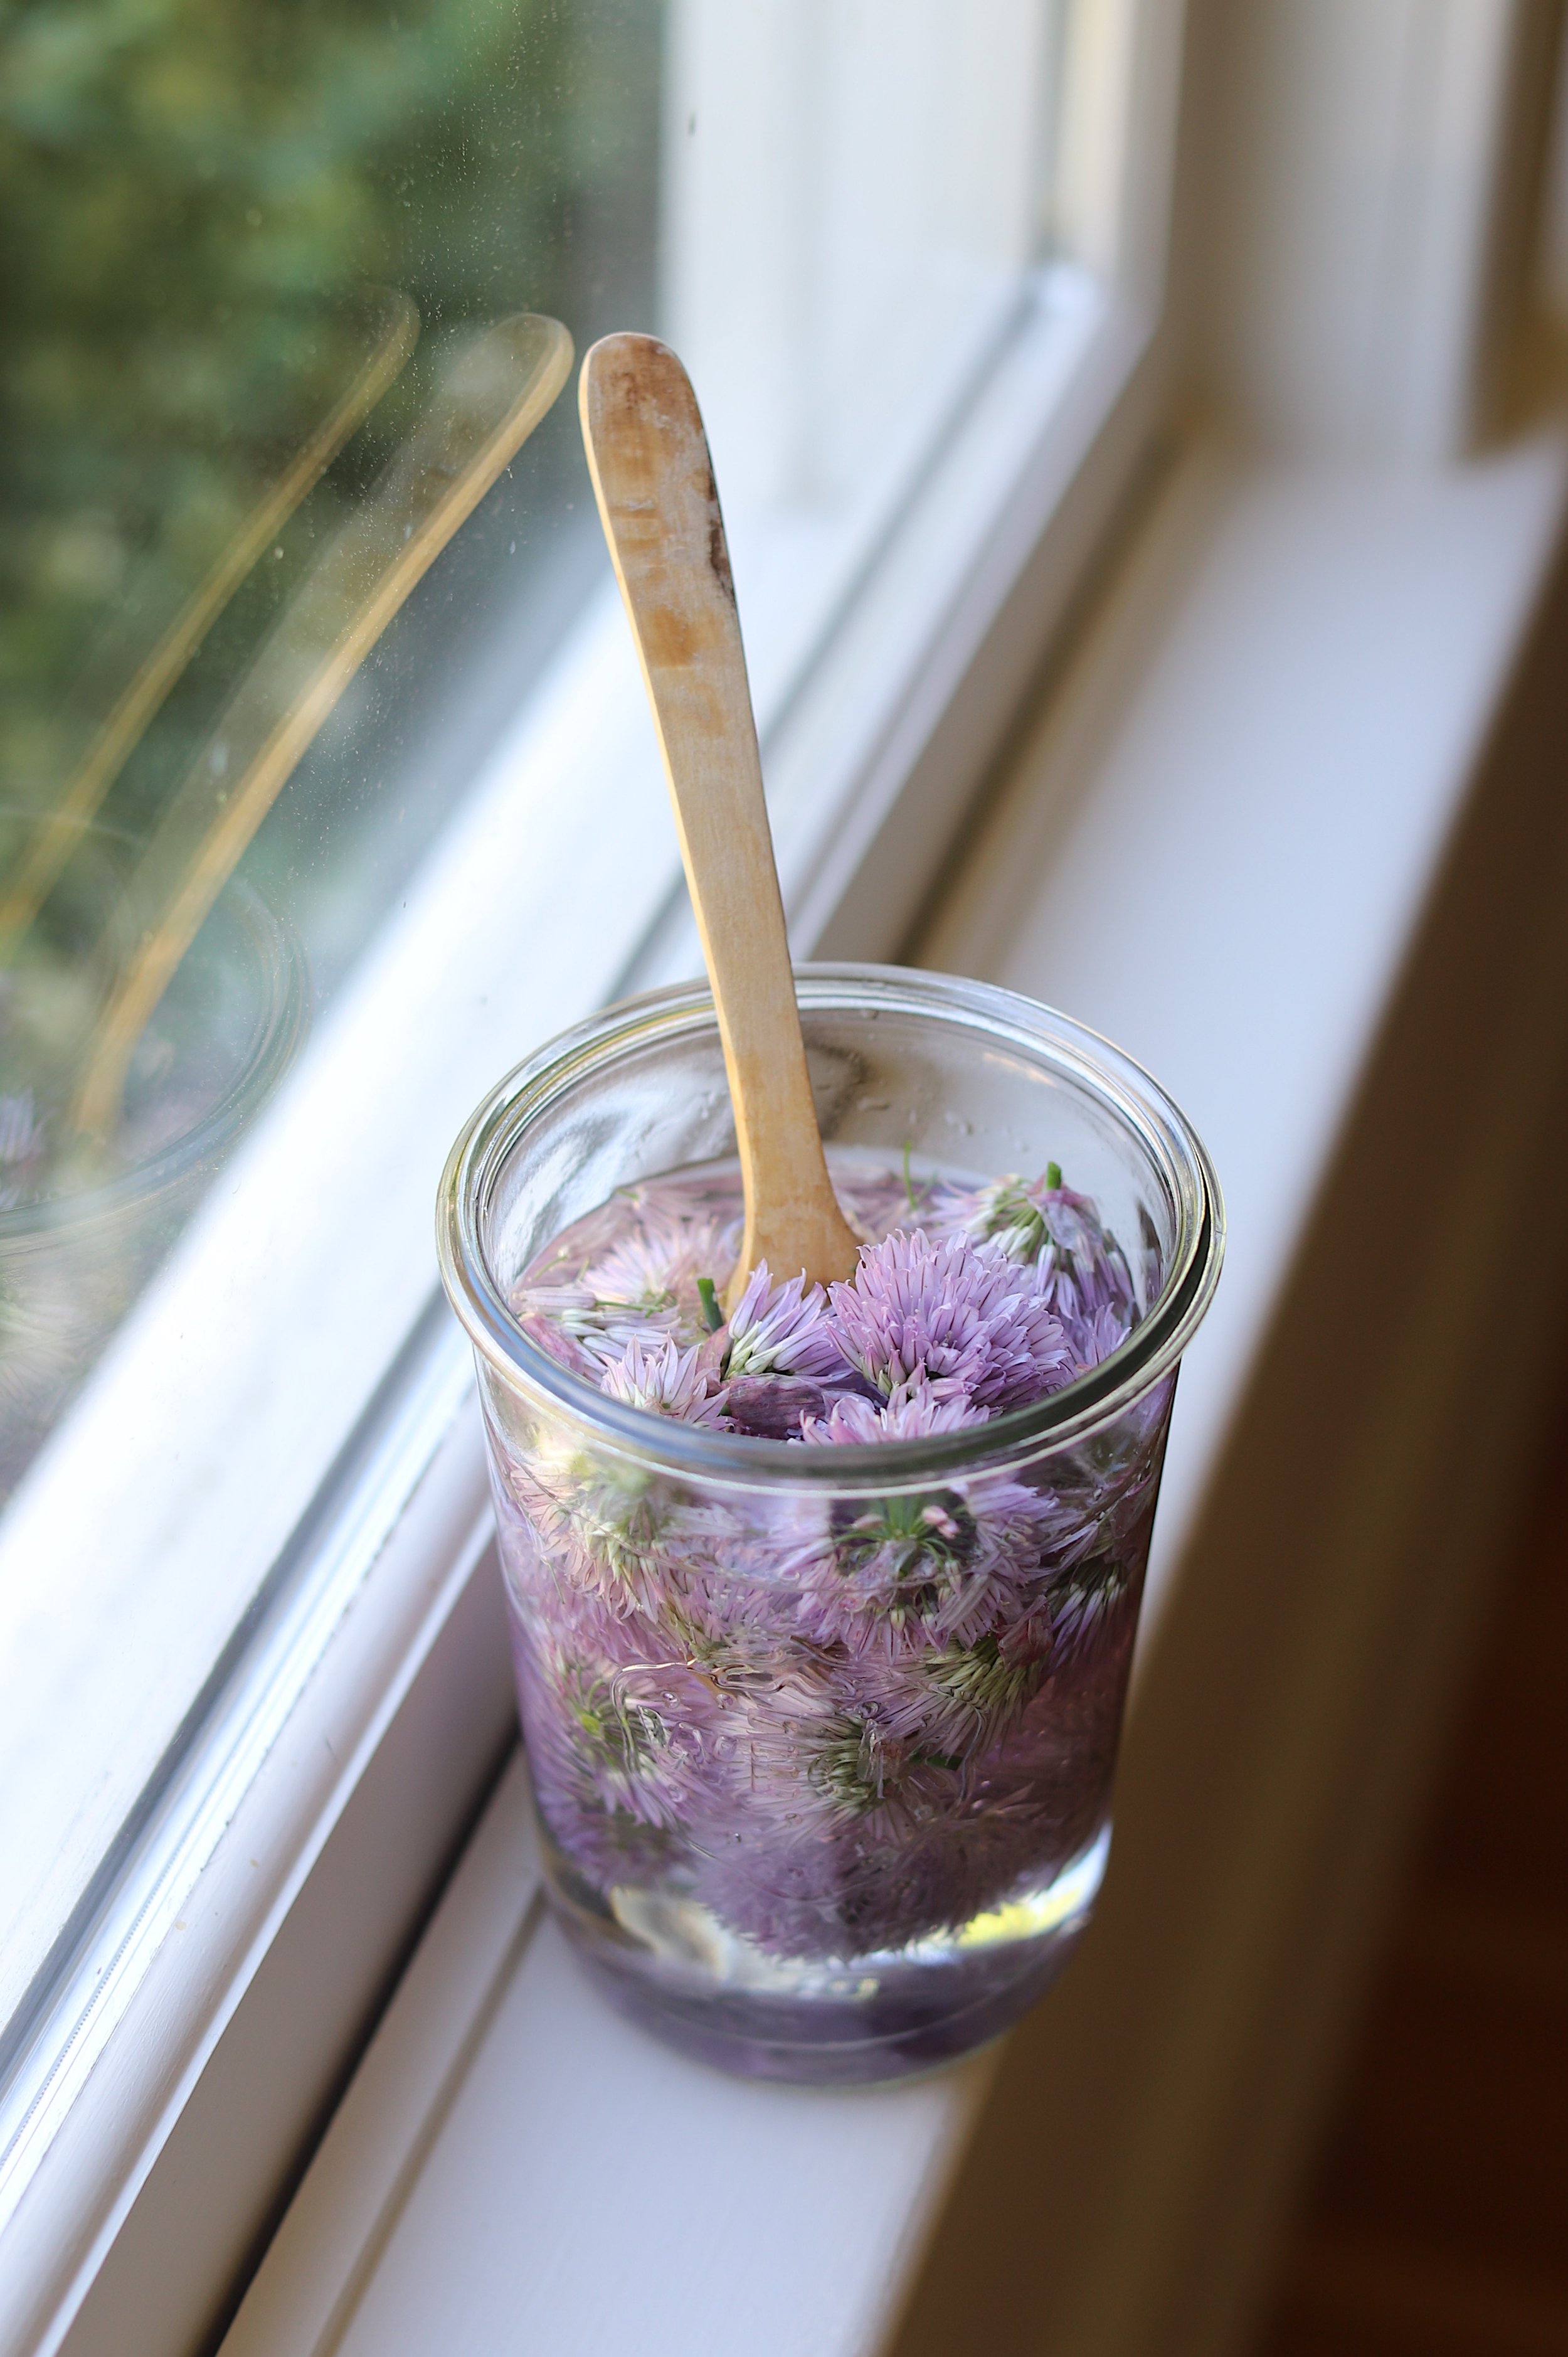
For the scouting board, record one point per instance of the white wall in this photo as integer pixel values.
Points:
(1351, 208)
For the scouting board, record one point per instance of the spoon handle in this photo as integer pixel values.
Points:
(648, 459)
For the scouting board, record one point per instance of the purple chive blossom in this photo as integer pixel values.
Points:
(884, 1845)
(630, 1284)
(655, 1268)
(782, 1330)
(664, 1378)
(781, 1892)
(608, 1528)
(914, 1412)
(893, 1575)
(952, 1703)
(838, 1718)
(1081, 1270)
(592, 1334)
(958, 1313)
(907, 1874)
(1008, 1212)
(623, 1735)
(1083, 1606)
(1091, 1580)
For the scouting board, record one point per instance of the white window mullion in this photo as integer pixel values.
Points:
(1351, 278)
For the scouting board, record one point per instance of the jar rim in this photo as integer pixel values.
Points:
(667, 1444)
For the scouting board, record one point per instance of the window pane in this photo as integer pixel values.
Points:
(244, 243)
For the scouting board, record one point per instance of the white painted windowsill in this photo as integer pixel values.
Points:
(1216, 846)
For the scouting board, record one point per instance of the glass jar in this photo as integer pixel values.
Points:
(821, 1740)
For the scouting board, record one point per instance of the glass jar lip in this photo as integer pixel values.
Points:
(669, 1445)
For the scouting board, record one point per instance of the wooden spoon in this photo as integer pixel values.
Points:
(654, 482)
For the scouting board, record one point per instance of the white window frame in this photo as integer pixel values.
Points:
(872, 758)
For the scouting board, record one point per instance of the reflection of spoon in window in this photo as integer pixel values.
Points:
(649, 457)
(388, 324)
(492, 395)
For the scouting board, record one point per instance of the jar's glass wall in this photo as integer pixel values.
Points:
(822, 1740)
(823, 1778)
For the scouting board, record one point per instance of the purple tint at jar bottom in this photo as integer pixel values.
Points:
(936, 2015)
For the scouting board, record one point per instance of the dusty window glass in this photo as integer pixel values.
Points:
(244, 246)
